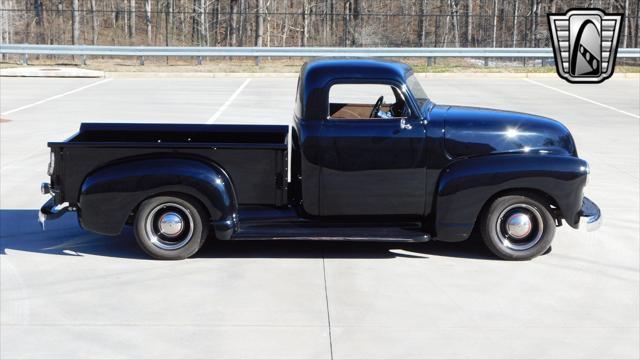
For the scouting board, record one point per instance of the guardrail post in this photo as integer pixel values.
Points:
(83, 60)
(486, 62)
(25, 59)
(141, 60)
(199, 60)
(429, 61)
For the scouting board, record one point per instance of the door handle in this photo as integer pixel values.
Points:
(404, 125)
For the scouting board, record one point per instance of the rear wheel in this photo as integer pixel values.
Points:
(171, 227)
(517, 227)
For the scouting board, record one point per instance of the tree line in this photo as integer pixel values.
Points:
(352, 23)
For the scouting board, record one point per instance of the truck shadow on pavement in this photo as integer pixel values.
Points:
(20, 231)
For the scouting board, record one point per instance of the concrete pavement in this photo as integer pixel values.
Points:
(66, 293)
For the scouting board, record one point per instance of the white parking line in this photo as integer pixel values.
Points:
(583, 98)
(56, 97)
(224, 106)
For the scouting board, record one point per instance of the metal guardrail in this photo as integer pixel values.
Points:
(201, 52)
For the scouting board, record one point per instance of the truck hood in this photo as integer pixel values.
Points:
(470, 131)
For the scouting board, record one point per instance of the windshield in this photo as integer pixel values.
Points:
(417, 90)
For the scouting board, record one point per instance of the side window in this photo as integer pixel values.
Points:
(365, 101)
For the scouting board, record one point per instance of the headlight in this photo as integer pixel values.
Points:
(52, 164)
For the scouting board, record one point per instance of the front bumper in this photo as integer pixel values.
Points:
(590, 215)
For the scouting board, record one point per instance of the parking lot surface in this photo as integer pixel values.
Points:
(69, 294)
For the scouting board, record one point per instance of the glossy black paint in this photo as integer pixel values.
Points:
(109, 195)
(106, 170)
(472, 131)
(372, 167)
(317, 77)
(255, 169)
(357, 167)
(433, 176)
(468, 184)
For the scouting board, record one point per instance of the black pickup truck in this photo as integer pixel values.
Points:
(408, 170)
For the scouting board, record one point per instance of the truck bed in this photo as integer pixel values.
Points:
(254, 156)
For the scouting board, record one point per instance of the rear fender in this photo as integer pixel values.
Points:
(466, 185)
(110, 194)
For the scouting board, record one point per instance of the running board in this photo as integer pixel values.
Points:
(405, 232)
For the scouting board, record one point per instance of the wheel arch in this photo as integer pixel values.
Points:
(547, 200)
(111, 194)
(468, 186)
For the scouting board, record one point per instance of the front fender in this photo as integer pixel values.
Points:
(466, 185)
(110, 194)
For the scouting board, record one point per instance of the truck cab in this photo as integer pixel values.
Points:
(388, 167)
(365, 159)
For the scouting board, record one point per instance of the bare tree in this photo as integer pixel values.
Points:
(515, 22)
(469, 21)
(454, 13)
(495, 21)
(75, 23)
(533, 31)
(328, 9)
(243, 23)
(39, 18)
(302, 22)
(168, 26)
(637, 42)
(233, 23)
(132, 19)
(94, 23)
(259, 22)
(27, 22)
(215, 18)
(422, 23)
(357, 21)
(284, 32)
(626, 23)
(346, 22)
(147, 19)
(305, 22)
(203, 33)
(6, 23)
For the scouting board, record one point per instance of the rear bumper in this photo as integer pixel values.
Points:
(590, 215)
(50, 210)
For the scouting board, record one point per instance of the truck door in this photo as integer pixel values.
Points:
(373, 153)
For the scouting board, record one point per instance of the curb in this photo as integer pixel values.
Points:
(51, 72)
(195, 75)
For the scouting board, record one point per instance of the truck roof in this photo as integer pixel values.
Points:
(355, 68)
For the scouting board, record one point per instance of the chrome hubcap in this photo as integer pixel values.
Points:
(518, 225)
(169, 226)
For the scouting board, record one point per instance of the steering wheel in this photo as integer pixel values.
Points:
(376, 107)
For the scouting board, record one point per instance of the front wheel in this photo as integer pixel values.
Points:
(518, 227)
(170, 227)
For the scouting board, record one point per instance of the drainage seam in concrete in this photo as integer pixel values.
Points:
(326, 298)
